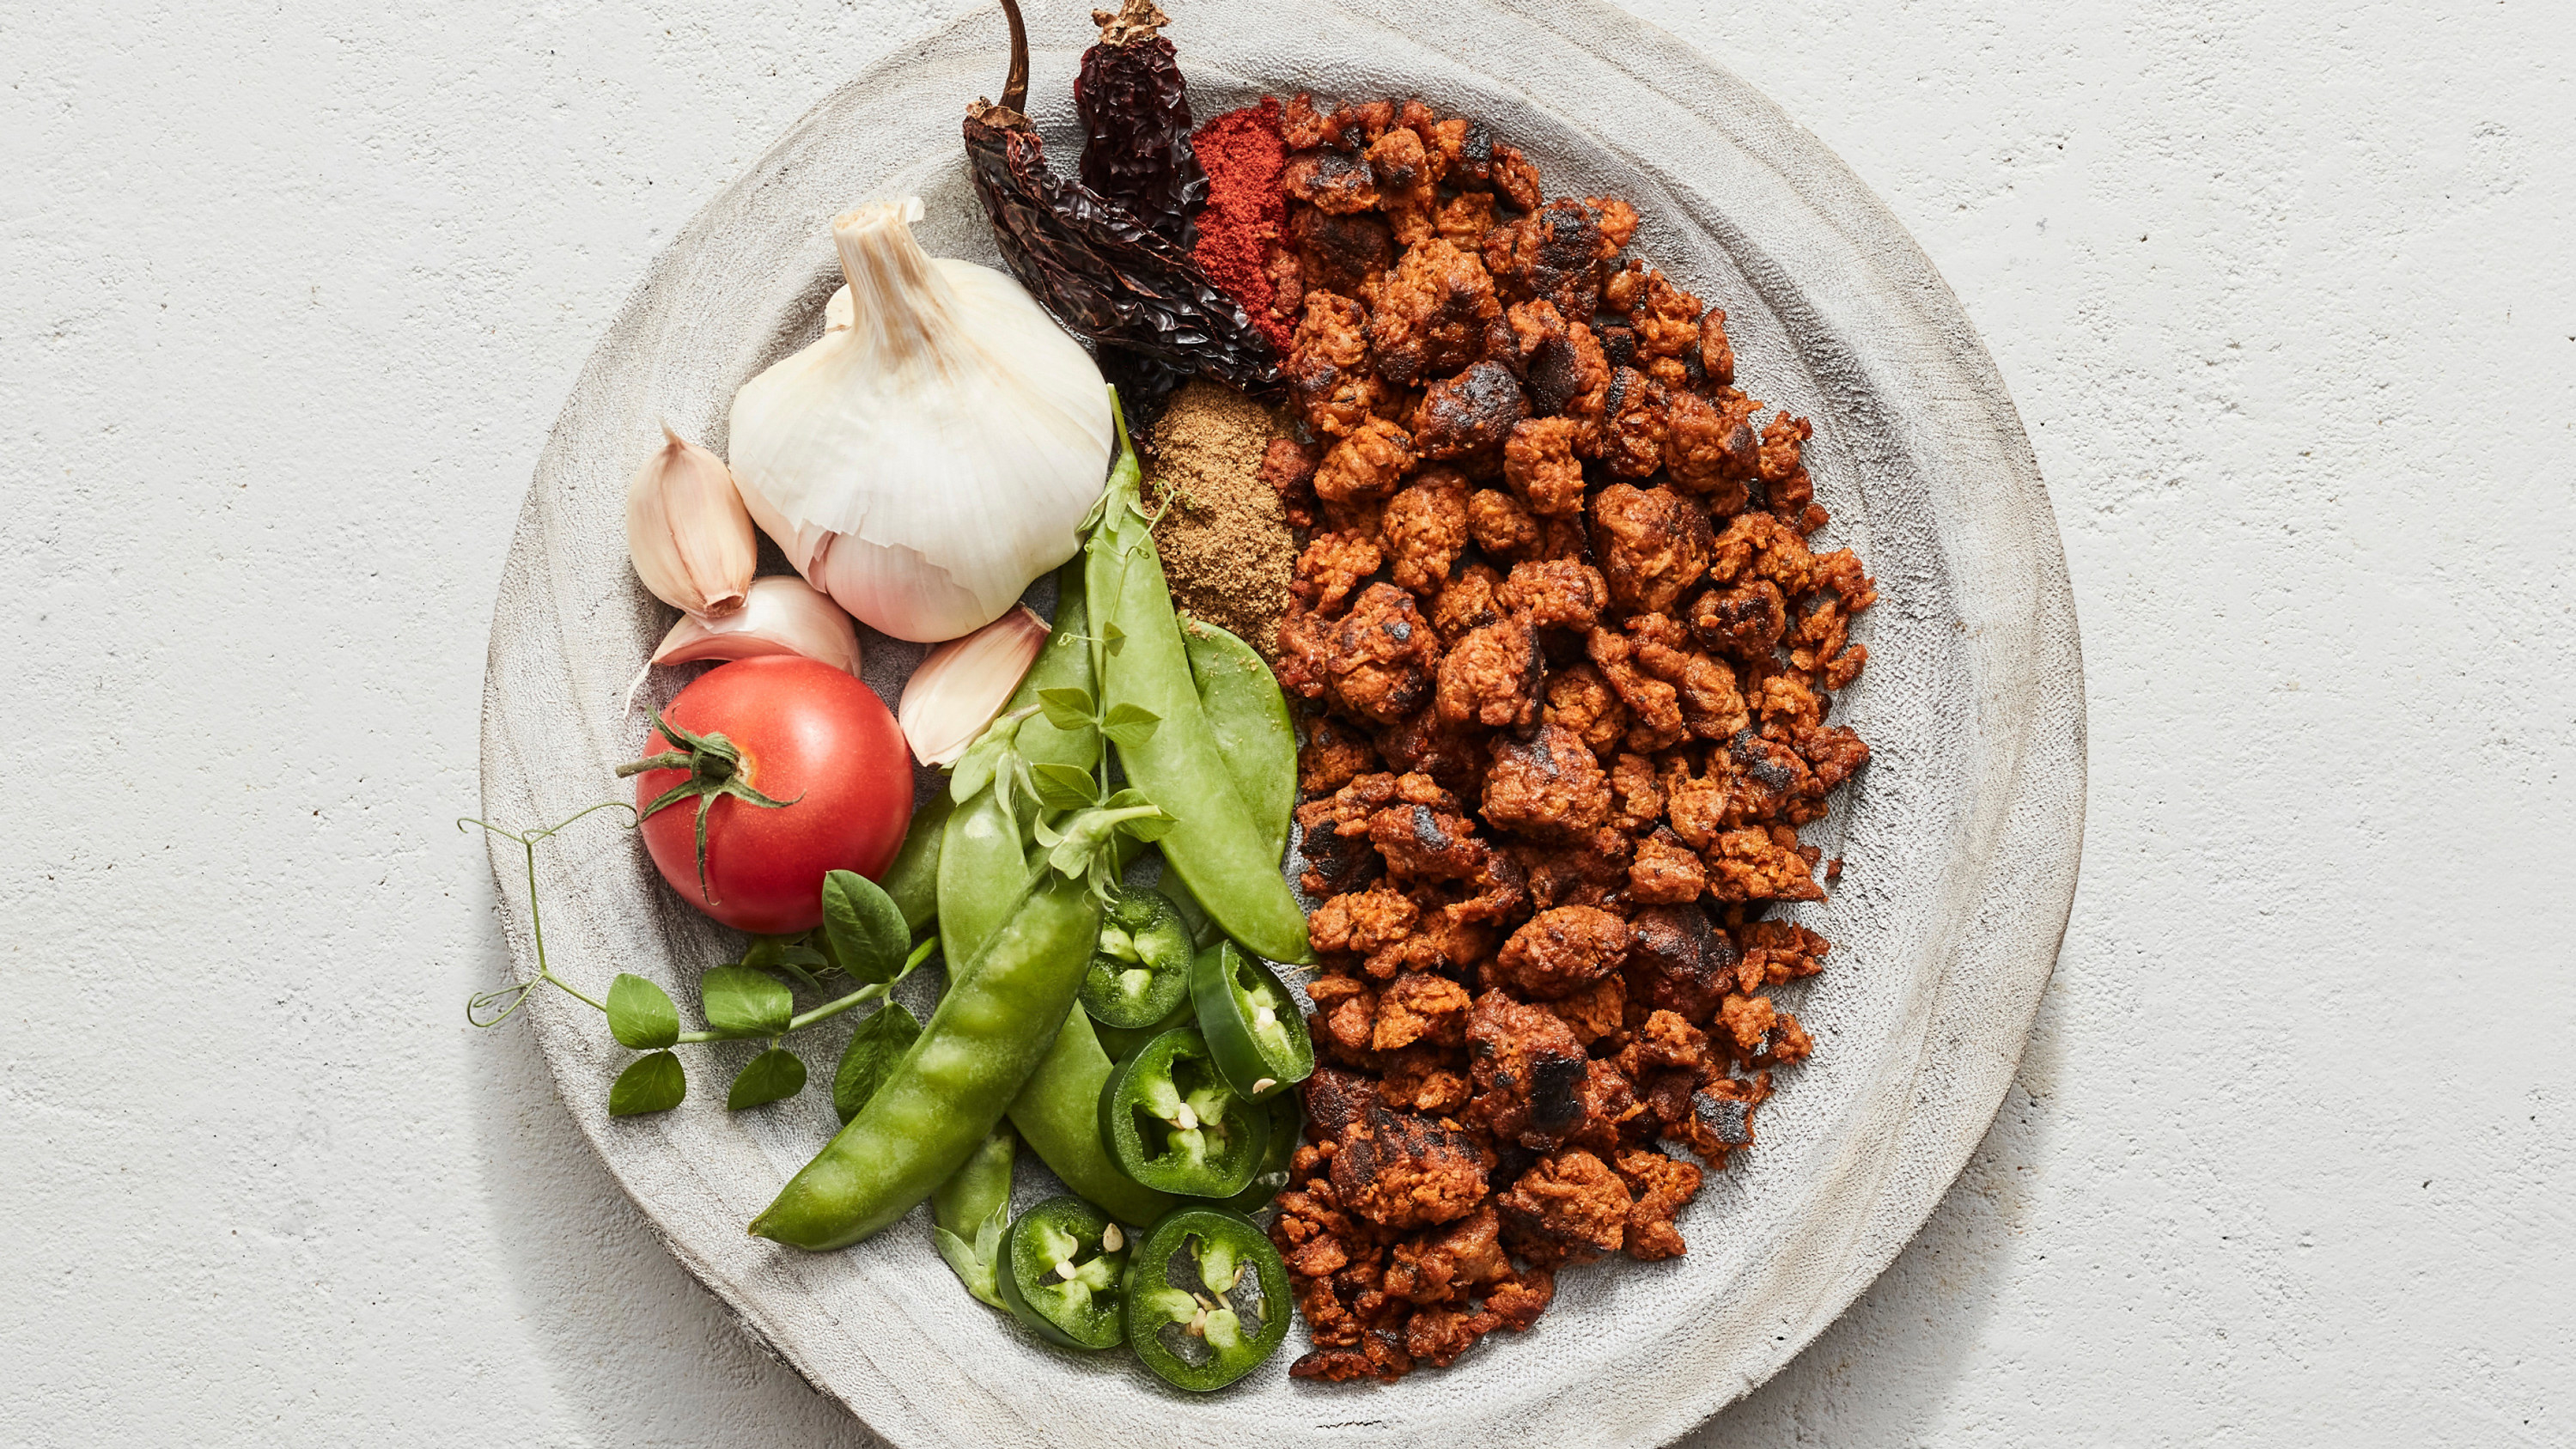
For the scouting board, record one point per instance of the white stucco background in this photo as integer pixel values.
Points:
(290, 293)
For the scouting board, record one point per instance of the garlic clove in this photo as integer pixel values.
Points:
(838, 313)
(687, 529)
(965, 682)
(781, 614)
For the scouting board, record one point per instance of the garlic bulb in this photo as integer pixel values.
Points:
(687, 530)
(780, 614)
(965, 682)
(924, 463)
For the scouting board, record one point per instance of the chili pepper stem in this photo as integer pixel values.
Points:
(1015, 85)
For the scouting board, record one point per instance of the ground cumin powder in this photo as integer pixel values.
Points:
(1226, 547)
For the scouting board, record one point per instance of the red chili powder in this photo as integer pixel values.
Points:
(1243, 155)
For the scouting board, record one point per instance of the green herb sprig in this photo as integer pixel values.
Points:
(863, 936)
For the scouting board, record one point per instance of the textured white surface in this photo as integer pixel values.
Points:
(2284, 296)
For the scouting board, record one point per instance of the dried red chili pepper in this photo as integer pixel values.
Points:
(1136, 121)
(1105, 275)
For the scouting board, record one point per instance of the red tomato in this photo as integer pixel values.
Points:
(808, 733)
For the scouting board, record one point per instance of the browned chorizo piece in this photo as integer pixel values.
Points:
(1501, 525)
(1470, 415)
(1653, 544)
(1340, 253)
(1687, 965)
(1554, 594)
(1467, 601)
(1425, 529)
(1548, 786)
(1491, 676)
(1401, 1171)
(1330, 181)
(1333, 755)
(1540, 467)
(1562, 951)
(1581, 701)
(1368, 463)
(1431, 314)
(1571, 1206)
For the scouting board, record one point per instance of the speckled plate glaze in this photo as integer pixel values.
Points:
(1960, 839)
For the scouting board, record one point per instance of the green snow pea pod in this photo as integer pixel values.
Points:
(1058, 1113)
(969, 1213)
(982, 850)
(913, 880)
(1218, 847)
(1249, 714)
(1003, 1008)
(1194, 1314)
(1063, 1274)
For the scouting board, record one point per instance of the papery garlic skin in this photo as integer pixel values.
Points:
(687, 529)
(780, 614)
(965, 682)
(837, 312)
(925, 463)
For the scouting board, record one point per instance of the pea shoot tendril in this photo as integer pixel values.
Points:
(740, 1000)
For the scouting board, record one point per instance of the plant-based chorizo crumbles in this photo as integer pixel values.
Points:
(1568, 663)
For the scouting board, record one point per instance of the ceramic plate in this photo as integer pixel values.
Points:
(1959, 840)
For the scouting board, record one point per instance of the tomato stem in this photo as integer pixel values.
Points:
(715, 768)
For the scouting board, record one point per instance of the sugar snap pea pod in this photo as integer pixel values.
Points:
(1203, 932)
(1216, 846)
(997, 1021)
(913, 879)
(1065, 663)
(969, 1212)
(1058, 1112)
(981, 844)
(1249, 714)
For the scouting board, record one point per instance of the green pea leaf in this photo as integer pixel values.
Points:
(640, 1014)
(788, 954)
(974, 769)
(867, 930)
(654, 1083)
(874, 1048)
(1147, 828)
(772, 1076)
(1112, 639)
(1068, 709)
(1130, 724)
(740, 1001)
(1143, 827)
(1062, 787)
